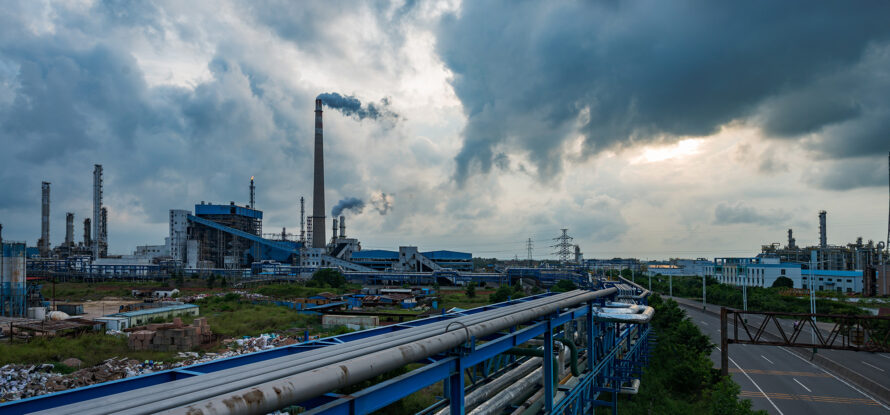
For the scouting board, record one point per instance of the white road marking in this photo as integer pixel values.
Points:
(836, 378)
(801, 385)
(883, 355)
(704, 322)
(764, 358)
(757, 386)
(869, 364)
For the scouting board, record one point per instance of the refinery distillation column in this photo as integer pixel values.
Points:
(318, 231)
(97, 209)
(44, 220)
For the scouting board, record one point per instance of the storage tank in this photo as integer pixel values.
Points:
(12, 279)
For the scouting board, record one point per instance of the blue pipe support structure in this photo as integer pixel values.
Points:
(608, 366)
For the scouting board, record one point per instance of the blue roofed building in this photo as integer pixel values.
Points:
(409, 259)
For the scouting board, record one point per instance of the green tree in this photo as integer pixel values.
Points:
(327, 276)
(783, 282)
(563, 286)
(471, 290)
(224, 283)
(502, 294)
(211, 280)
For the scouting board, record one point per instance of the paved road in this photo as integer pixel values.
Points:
(781, 382)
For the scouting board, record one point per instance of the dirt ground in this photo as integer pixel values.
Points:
(105, 306)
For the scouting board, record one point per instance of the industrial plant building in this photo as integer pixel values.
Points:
(228, 238)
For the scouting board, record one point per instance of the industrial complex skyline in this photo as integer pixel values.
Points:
(605, 119)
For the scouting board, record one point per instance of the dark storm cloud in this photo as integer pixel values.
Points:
(634, 72)
(352, 107)
(850, 173)
(740, 213)
(79, 97)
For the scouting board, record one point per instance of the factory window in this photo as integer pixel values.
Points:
(783, 271)
(849, 290)
(849, 280)
(829, 280)
(820, 278)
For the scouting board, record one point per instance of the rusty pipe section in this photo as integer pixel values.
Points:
(291, 390)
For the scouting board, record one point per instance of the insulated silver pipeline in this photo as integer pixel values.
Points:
(514, 392)
(642, 317)
(644, 294)
(287, 365)
(269, 396)
(478, 396)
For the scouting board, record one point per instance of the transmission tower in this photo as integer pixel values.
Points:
(528, 246)
(563, 247)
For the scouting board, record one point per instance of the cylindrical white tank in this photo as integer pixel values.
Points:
(58, 315)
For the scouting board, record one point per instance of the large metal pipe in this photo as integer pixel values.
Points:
(273, 395)
(485, 392)
(318, 236)
(613, 315)
(515, 392)
(288, 365)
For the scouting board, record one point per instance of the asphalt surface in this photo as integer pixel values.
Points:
(783, 383)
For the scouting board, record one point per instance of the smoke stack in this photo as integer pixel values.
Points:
(342, 226)
(97, 209)
(87, 241)
(318, 218)
(44, 220)
(252, 194)
(69, 229)
(334, 231)
(283, 234)
(823, 232)
(791, 242)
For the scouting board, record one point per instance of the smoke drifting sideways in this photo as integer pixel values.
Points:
(352, 107)
(352, 204)
(382, 202)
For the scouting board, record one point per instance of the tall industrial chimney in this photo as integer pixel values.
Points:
(44, 221)
(87, 241)
(252, 194)
(69, 229)
(318, 218)
(823, 232)
(97, 209)
(342, 226)
(791, 242)
(334, 231)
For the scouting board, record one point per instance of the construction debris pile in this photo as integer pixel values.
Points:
(25, 381)
(171, 337)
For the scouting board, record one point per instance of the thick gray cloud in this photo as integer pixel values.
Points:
(850, 174)
(533, 76)
(740, 213)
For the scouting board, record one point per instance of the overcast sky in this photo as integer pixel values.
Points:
(647, 128)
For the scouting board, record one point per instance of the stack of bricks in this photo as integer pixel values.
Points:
(140, 340)
(172, 336)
